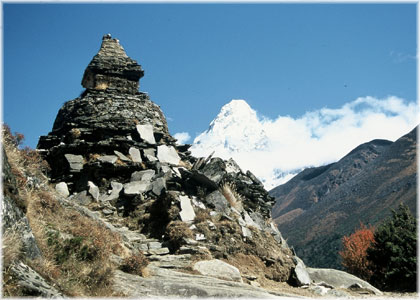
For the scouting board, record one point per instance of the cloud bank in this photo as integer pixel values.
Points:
(323, 136)
(182, 137)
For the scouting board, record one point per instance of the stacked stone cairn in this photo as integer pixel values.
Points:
(110, 151)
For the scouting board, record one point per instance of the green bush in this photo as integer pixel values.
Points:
(394, 252)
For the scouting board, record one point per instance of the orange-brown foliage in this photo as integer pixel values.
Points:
(354, 254)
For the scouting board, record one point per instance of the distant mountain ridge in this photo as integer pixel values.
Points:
(320, 205)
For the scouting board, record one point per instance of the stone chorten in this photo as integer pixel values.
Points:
(110, 149)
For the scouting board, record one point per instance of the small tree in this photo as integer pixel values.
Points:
(354, 255)
(393, 254)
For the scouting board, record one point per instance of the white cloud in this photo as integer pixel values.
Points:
(182, 137)
(323, 136)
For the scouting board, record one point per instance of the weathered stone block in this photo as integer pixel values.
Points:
(146, 133)
(168, 154)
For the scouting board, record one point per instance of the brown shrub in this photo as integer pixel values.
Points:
(175, 232)
(135, 264)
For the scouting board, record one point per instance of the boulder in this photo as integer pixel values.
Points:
(83, 198)
(135, 154)
(168, 154)
(187, 213)
(339, 279)
(301, 275)
(146, 133)
(75, 161)
(62, 189)
(218, 201)
(218, 269)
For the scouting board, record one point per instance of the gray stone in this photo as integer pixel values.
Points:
(121, 156)
(164, 282)
(145, 175)
(154, 245)
(75, 161)
(232, 167)
(218, 201)
(339, 279)
(200, 237)
(150, 157)
(301, 275)
(149, 151)
(160, 251)
(32, 282)
(110, 159)
(115, 192)
(187, 213)
(93, 190)
(135, 154)
(158, 186)
(146, 133)
(218, 269)
(168, 154)
(136, 187)
(62, 189)
(83, 198)
(246, 232)
(249, 221)
(107, 212)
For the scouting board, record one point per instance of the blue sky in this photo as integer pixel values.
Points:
(283, 59)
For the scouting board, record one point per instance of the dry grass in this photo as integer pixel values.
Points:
(101, 86)
(11, 248)
(76, 250)
(228, 189)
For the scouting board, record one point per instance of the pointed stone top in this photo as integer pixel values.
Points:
(111, 68)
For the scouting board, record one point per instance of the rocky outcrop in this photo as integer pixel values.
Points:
(112, 157)
(14, 219)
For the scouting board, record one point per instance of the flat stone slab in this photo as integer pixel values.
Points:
(135, 154)
(160, 251)
(62, 189)
(121, 156)
(75, 161)
(164, 282)
(218, 269)
(136, 188)
(146, 133)
(187, 213)
(168, 154)
(145, 175)
(110, 159)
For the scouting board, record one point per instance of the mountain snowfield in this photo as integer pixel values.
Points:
(276, 150)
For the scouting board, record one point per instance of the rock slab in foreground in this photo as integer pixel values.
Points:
(218, 269)
(172, 284)
(339, 279)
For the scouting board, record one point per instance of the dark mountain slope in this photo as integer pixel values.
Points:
(320, 205)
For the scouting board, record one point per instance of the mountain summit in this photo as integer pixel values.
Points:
(236, 128)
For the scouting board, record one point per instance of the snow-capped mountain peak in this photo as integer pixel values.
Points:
(236, 128)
